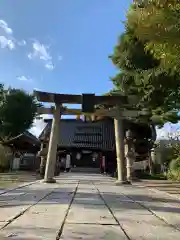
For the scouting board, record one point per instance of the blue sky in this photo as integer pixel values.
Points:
(59, 46)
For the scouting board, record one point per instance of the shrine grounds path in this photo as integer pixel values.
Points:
(88, 206)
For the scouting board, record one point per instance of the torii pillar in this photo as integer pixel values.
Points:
(120, 151)
(52, 149)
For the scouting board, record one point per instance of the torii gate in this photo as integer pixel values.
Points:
(118, 112)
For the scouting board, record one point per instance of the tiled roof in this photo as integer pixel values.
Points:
(91, 135)
(25, 137)
(87, 135)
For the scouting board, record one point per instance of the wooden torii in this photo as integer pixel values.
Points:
(118, 111)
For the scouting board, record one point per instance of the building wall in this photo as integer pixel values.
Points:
(29, 162)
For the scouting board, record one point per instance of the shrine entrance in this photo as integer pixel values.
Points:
(87, 160)
(115, 107)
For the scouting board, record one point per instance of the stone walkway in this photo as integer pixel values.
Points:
(168, 186)
(88, 206)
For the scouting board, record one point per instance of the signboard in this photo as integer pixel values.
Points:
(88, 102)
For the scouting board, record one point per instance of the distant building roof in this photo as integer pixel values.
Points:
(91, 135)
(26, 135)
(26, 141)
(79, 134)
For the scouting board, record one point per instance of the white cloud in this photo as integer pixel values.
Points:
(37, 89)
(60, 58)
(22, 43)
(5, 27)
(49, 66)
(30, 56)
(24, 79)
(7, 43)
(162, 133)
(41, 52)
(39, 125)
(7, 39)
(169, 130)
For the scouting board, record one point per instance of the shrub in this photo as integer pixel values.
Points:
(5, 157)
(174, 170)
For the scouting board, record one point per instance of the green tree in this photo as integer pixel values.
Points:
(17, 112)
(157, 23)
(140, 74)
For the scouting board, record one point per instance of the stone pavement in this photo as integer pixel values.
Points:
(88, 206)
(167, 186)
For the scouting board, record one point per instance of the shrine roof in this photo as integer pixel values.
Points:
(79, 134)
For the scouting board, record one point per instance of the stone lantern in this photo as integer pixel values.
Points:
(129, 154)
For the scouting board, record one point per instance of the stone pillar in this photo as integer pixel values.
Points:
(52, 149)
(42, 166)
(119, 139)
(152, 160)
(43, 161)
(130, 158)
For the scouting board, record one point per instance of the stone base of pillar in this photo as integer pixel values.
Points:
(128, 182)
(135, 179)
(42, 171)
(49, 180)
(119, 183)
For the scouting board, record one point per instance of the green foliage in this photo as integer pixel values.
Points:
(176, 150)
(129, 54)
(5, 157)
(157, 23)
(141, 74)
(17, 111)
(174, 170)
(174, 166)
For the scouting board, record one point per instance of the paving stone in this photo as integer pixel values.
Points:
(88, 198)
(87, 190)
(2, 224)
(92, 232)
(128, 207)
(162, 205)
(145, 226)
(3, 203)
(8, 213)
(170, 215)
(98, 214)
(90, 201)
(20, 204)
(42, 221)
(28, 233)
(9, 197)
(36, 225)
(88, 217)
(116, 198)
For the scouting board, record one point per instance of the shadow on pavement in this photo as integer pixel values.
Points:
(60, 196)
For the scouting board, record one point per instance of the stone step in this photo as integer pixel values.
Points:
(85, 170)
